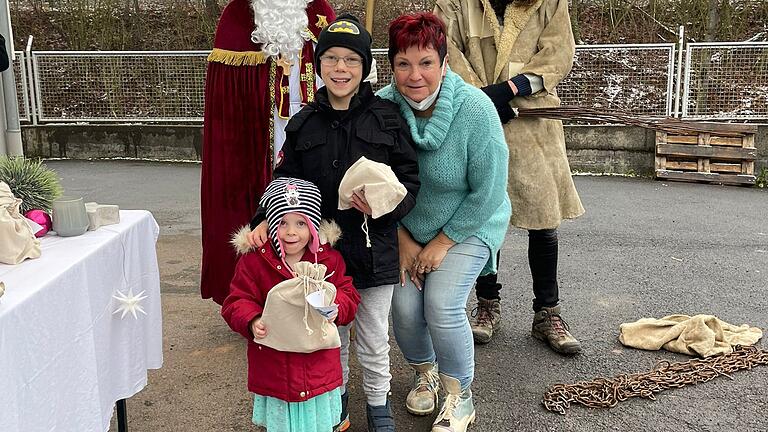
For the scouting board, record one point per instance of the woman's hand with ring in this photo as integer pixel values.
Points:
(421, 268)
(434, 253)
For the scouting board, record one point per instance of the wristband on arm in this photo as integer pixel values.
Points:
(523, 85)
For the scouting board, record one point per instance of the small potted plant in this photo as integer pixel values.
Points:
(31, 181)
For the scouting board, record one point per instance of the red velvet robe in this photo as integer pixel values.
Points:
(242, 87)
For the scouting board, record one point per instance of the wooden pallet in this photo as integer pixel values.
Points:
(719, 153)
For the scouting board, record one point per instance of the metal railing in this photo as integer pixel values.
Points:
(633, 78)
(723, 81)
(119, 86)
(726, 80)
(22, 87)
(383, 71)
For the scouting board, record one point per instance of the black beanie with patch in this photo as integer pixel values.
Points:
(346, 32)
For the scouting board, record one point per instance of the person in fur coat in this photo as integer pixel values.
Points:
(517, 52)
(293, 391)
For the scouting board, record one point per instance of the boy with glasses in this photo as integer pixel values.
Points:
(345, 122)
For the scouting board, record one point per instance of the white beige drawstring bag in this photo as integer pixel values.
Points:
(17, 241)
(292, 324)
(383, 190)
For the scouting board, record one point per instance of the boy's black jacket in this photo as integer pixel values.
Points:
(322, 143)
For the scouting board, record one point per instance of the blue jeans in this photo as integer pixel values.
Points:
(431, 325)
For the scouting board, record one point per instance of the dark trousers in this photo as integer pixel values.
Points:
(542, 258)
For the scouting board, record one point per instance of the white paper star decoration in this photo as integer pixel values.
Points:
(129, 303)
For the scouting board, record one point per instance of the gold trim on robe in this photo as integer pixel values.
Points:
(272, 72)
(237, 58)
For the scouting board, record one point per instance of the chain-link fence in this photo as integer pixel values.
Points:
(632, 78)
(383, 71)
(150, 86)
(726, 80)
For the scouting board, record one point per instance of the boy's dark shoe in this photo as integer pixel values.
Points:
(380, 418)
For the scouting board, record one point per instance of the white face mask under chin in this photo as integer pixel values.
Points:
(429, 100)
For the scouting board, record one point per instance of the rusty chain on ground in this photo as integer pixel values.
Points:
(607, 392)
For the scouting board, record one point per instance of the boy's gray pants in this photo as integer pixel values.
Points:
(371, 343)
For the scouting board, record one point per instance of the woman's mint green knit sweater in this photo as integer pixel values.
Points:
(463, 161)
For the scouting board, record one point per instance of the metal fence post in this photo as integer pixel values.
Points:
(32, 84)
(13, 144)
(686, 82)
(678, 84)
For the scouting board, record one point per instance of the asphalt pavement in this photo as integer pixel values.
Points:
(644, 249)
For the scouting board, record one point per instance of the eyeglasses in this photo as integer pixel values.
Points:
(332, 60)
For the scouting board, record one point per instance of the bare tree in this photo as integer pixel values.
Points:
(713, 20)
(212, 9)
(575, 10)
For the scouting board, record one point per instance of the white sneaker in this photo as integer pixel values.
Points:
(458, 411)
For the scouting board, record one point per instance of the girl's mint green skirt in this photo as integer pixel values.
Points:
(319, 414)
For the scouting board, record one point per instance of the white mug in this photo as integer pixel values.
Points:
(69, 217)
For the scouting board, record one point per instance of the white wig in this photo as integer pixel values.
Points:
(281, 26)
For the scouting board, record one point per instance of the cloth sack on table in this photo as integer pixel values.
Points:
(293, 324)
(17, 241)
(698, 335)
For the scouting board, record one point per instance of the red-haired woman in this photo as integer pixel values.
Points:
(455, 230)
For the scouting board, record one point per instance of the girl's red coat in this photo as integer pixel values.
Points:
(292, 377)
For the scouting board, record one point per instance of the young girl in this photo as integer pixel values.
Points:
(323, 140)
(294, 392)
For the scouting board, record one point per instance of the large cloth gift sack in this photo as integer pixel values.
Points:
(292, 324)
(17, 241)
(698, 335)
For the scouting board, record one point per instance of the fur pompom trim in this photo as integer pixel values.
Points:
(329, 232)
(239, 240)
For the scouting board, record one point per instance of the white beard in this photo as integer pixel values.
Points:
(281, 26)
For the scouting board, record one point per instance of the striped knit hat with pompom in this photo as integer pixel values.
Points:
(291, 195)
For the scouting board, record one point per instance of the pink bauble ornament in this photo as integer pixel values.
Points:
(41, 218)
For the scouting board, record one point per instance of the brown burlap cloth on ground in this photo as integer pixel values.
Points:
(698, 335)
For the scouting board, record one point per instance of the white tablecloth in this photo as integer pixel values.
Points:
(65, 358)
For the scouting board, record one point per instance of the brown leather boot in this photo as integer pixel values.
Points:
(549, 327)
(486, 319)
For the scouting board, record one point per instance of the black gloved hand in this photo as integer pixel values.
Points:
(506, 113)
(501, 93)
